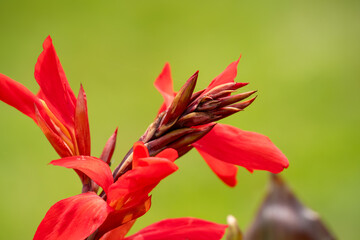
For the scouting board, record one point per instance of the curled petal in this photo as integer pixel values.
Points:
(18, 96)
(225, 171)
(73, 218)
(82, 129)
(247, 149)
(168, 153)
(180, 229)
(54, 86)
(93, 167)
(164, 85)
(139, 151)
(138, 182)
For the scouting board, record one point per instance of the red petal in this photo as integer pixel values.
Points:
(93, 167)
(18, 96)
(57, 142)
(82, 129)
(73, 218)
(138, 182)
(247, 149)
(168, 153)
(139, 151)
(118, 233)
(164, 85)
(225, 171)
(124, 215)
(228, 75)
(109, 148)
(54, 86)
(181, 229)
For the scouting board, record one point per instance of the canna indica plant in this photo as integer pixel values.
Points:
(186, 120)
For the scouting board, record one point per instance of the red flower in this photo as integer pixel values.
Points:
(87, 214)
(62, 117)
(226, 146)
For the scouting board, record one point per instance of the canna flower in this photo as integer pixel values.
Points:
(224, 146)
(186, 120)
(91, 216)
(61, 116)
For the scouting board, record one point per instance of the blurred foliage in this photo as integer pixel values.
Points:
(302, 56)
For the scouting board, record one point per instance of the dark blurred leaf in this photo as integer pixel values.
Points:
(283, 217)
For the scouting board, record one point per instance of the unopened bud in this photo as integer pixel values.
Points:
(243, 105)
(194, 119)
(233, 232)
(225, 101)
(191, 138)
(178, 105)
(161, 143)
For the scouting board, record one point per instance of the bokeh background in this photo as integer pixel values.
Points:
(302, 56)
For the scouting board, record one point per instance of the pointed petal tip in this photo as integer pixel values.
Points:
(48, 38)
(240, 84)
(206, 127)
(166, 68)
(237, 61)
(47, 42)
(194, 76)
(232, 183)
(253, 99)
(242, 105)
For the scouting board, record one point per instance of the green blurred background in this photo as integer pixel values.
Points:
(302, 56)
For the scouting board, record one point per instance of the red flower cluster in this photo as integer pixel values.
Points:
(127, 199)
(63, 118)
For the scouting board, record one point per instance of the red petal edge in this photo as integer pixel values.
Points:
(73, 218)
(247, 149)
(124, 215)
(225, 171)
(164, 85)
(18, 96)
(118, 233)
(93, 167)
(139, 151)
(140, 181)
(228, 75)
(51, 78)
(168, 153)
(181, 228)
